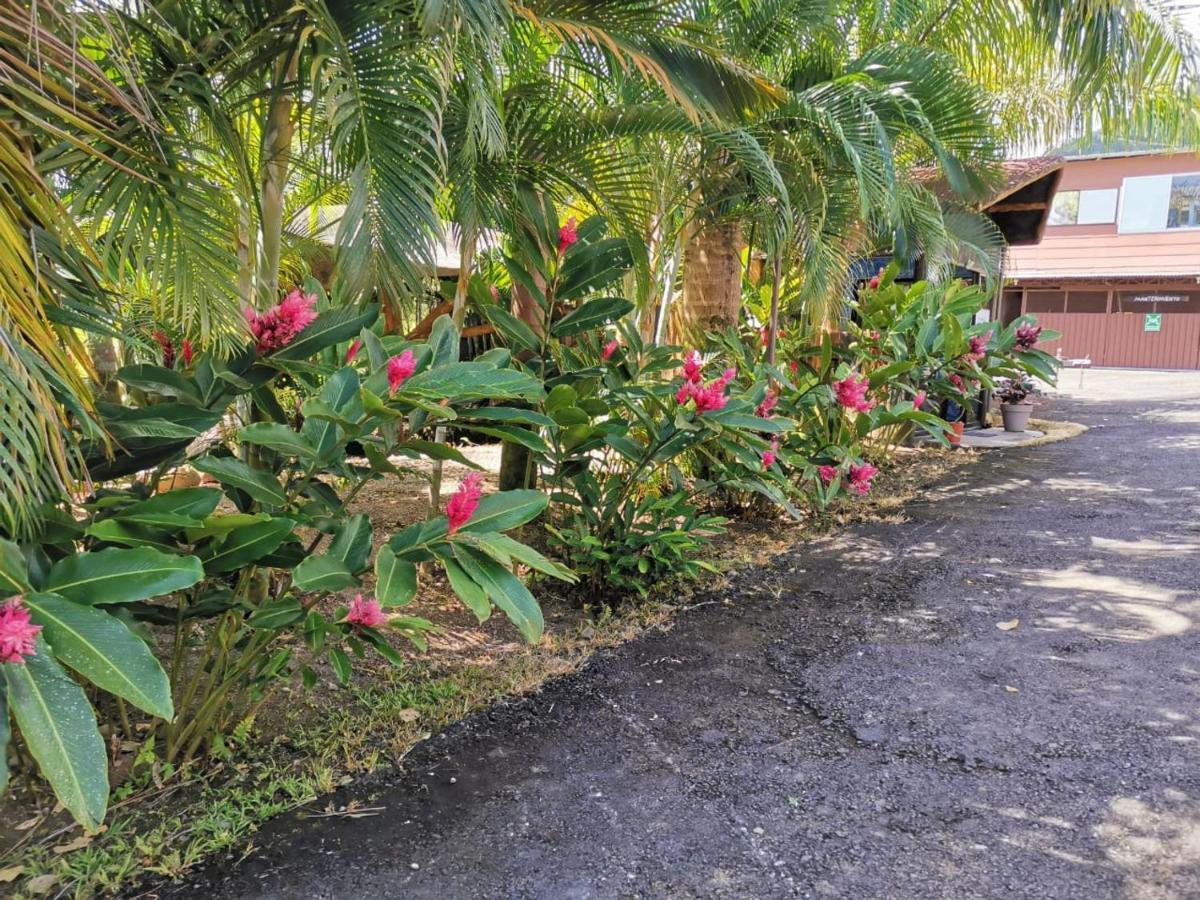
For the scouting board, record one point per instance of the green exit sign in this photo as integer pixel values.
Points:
(1153, 322)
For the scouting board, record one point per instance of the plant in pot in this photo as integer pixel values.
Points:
(1016, 405)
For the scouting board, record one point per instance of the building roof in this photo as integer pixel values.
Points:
(1021, 205)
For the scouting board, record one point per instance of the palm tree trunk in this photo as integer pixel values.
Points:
(712, 282)
(277, 145)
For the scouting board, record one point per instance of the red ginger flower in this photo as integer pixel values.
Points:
(187, 352)
(18, 634)
(918, 399)
(860, 477)
(794, 367)
(365, 613)
(609, 349)
(353, 351)
(1027, 336)
(278, 326)
(400, 369)
(827, 474)
(766, 408)
(769, 456)
(956, 380)
(168, 349)
(567, 236)
(462, 505)
(851, 393)
(693, 368)
(977, 347)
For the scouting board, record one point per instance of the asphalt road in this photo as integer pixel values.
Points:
(850, 721)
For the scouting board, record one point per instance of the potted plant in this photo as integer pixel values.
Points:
(1015, 404)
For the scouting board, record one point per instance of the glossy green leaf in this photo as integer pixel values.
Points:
(279, 438)
(352, 542)
(119, 575)
(59, 728)
(505, 510)
(247, 545)
(395, 579)
(504, 589)
(471, 594)
(277, 614)
(462, 382)
(101, 649)
(341, 665)
(159, 380)
(323, 573)
(172, 509)
(591, 315)
(329, 328)
(14, 574)
(232, 472)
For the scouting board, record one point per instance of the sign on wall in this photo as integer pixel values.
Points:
(1153, 322)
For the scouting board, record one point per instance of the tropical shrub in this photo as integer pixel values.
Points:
(230, 581)
(622, 428)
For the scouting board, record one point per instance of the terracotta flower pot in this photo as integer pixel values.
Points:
(955, 435)
(1016, 415)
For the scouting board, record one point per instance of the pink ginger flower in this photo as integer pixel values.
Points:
(365, 613)
(400, 369)
(860, 477)
(693, 368)
(918, 399)
(18, 634)
(609, 349)
(353, 351)
(851, 393)
(279, 325)
(827, 474)
(873, 284)
(977, 347)
(707, 397)
(956, 380)
(1028, 336)
(769, 456)
(766, 408)
(168, 349)
(495, 292)
(187, 352)
(461, 506)
(567, 236)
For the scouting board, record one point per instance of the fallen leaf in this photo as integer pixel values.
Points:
(408, 715)
(29, 823)
(1011, 689)
(42, 884)
(1009, 625)
(9, 874)
(78, 844)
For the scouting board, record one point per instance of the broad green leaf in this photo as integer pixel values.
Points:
(159, 380)
(59, 728)
(341, 665)
(119, 575)
(323, 573)
(505, 590)
(591, 315)
(223, 524)
(475, 597)
(505, 510)
(461, 382)
(279, 438)
(515, 332)
(443, 342)
(101, 649)
(14, 574)
(232, 472)
(434, 450)
(592, 267)
(329, 328)
(504, 549)
(352, 542)
(395, 579)
(513, 434)
(341, 394)
(507, 415)
(277, 614)
(172, 509)
(247, 545)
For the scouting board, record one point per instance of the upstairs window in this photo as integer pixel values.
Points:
(1160, 203)
(1093, 207)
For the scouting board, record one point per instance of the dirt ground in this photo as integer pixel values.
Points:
(990, 693)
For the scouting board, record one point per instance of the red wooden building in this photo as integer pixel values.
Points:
(1117, 270)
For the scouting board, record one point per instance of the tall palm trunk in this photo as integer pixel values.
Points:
(277, 145)
(712, 282)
